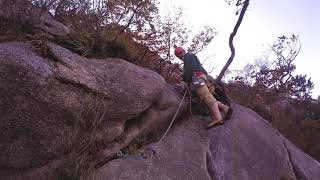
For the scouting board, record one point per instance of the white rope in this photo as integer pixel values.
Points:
(173, 118)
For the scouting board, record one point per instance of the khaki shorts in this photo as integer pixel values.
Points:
(205, 91)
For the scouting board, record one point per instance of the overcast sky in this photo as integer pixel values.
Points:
(264, 21)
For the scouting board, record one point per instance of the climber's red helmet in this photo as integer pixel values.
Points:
(179, 51)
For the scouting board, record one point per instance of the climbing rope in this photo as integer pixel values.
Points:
(190, 97)
(174, 117)
(120, 154)
(171, 123)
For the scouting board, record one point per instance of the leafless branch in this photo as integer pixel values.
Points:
(245, 6)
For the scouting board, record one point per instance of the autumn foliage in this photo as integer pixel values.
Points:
(270, 87)
(129, 29)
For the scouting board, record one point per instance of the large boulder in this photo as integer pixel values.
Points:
(247, 147)
(54, 102)
(24, 12)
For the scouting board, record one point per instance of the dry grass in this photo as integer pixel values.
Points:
(83, 141)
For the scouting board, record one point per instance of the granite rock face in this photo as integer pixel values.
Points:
(247, 147)
(24, 12)
(51, 104)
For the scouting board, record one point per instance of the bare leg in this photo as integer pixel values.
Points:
(223, 107)
(212, 104)
(215, 115)
(216, 112)
(226, 109)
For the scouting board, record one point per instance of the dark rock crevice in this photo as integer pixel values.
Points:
(78, 85)
(295, 169)
(52, 56)
(135, 127)
(41, 48)
(209, 164)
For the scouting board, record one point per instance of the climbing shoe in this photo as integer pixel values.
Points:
(214, 124)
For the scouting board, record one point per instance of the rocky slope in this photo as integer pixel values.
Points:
(247, 147)
(55, 104)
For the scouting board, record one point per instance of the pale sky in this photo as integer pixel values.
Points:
(263, 22)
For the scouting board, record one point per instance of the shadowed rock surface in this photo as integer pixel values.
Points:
(246, 147)
(50, 105)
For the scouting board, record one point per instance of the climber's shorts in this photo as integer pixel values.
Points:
(208, 80)
(205, 91)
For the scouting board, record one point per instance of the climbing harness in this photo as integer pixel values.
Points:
(197, 81)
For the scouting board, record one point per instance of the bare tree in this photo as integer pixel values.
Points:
(234, 32)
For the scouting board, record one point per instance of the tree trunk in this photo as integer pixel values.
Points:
(235, 29)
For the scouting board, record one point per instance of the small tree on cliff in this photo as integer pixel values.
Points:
(239, 3)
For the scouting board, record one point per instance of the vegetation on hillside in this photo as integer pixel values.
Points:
(131, 29)
(270, 87)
